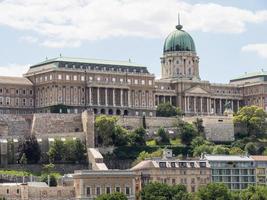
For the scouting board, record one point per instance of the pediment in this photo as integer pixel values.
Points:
(196, 90)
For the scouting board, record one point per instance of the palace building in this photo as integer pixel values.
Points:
(126, 88)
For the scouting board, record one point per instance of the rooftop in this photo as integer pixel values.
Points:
(259, 158)
(10, 80)
(250, 75)
(88, 61)
(227, 158)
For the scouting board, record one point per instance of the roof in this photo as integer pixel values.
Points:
(227, 158)
(250, 75)
(179, 40)
(11, 80)
(259, 158)
(37, 184)
(88, 61)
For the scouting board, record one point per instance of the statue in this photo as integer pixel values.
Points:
(228, 108)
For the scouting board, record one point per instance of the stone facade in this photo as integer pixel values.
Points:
(127, 88)
(35, 190)
(91, 183)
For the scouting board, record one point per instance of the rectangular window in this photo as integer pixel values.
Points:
(88, 191)
(82, 78)
(75, 77)
(7, 101)
(118, 189)
(135, 81)
(150, 82)
(59, 77)
(127, 191)
(51, 77)
(1, 100)
(67, 77)
(1, 90)
(107, 190)
(143, 82)
(98, 191)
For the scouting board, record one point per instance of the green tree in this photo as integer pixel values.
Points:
(220, 149)
(137, 137)
(236, 151)
(105, 129)
(160, 191)
(143, 155)
(47, 169)
(30, 147)
(80, 151)
(254, 193)
(199, 126)
(187, 132)
(112, 196)
(204, 148)
(166, 110)
(214, 191)
(163, 137)
(56, 151)
(253, 119)
(120, 137)
(52, 179)
(251, 148)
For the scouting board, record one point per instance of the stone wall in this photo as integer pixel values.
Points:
(217, 128)
(45, 123)
(14, 125)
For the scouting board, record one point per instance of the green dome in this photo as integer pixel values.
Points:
(179, 40)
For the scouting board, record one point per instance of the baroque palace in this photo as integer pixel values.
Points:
(126, 88)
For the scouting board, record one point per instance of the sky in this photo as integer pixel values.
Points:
(230, 35)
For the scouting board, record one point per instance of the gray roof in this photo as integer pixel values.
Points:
(89, 61)
(227, 158)
(10, 80)
(250, 75)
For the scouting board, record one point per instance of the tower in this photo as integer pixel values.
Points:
(179, 58)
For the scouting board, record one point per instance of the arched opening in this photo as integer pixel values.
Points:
(103, 111)
(110, 112)
(95, 110)
(118, 112)
(125, 112)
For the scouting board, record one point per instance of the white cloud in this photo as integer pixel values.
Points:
(69, 22)
(29, 39)
(260, 49)
(13, 70)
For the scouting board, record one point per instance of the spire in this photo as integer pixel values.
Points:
(179, 26)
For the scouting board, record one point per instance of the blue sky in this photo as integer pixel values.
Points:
(230, 36)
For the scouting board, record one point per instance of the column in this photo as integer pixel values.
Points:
(106, 96)
(185, 103)
(90, 96)
(208, 104)
(220, 106)
(201, 105)
(81, 188)
(121, 97)
(232, 103)
(188, 104)
(171, 100)
(237, 105)
(158, 100)
(129, 98)
(98, 96)
(113, 95)
(164, 99)
(215, 107)
(195, 105)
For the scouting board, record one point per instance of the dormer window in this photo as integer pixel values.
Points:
(162, 164)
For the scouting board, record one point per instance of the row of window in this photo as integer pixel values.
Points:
(18, 102)
(68, 77)
(108, 190)
(18, 91)
(106, 68)
(181, 164)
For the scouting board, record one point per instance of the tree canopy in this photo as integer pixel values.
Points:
(30, 148)
(167, 110)
(112, 196)
(253, 118)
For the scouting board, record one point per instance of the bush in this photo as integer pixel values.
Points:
(163, 137)
(53, 179)
(30, 148)
(167, 110)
